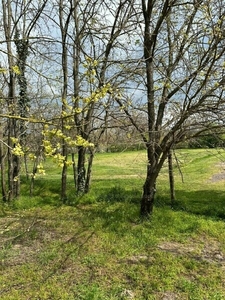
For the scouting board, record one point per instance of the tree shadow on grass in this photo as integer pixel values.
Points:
(115, 209)
(116, 205)
(208, 203)
(44, 192)
(118, 193)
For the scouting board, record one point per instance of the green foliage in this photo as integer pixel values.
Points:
(117, 148)
(211, 140)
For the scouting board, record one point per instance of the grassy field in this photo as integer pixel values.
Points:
(97, 248)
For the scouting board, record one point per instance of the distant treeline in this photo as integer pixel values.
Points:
(207, 141)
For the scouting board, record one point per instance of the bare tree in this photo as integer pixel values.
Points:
(94, 39)
(183, 54)
(160, 62)
(19, 19)
(11, 101)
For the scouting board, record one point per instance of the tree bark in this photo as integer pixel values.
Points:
(2, 166)
(89, 169)
(81, 171)
(149, 190)
(171, 178)
(64, 25)
(74, 170)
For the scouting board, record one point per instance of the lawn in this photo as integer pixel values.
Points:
(96, 247)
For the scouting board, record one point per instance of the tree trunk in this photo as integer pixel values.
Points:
(149, 190)
(2, 166)
(81, 172)
(171, 178)
(88, 177)
(64, 171)
(74, 170)
(16, 176)
(155, 163)
(64, 183)
(13, 165)
(32, 185)
(36, 162)
(64, 24)
(13, 162)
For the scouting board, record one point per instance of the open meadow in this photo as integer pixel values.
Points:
(96, 247)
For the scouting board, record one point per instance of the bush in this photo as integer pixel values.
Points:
(207, 141)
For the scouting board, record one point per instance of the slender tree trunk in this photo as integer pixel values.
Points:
(26, 167)
(13, 162)
(74, 170)
(81, 172)
(147, 201)
(22, 45)
(64, 176)
(89, 169)
(33, 176)
(2, 166)
(32, 185)
(16, 175)
(79, 169)
(171, 178)
(64, 24)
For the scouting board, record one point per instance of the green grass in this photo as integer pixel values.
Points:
(96, 247)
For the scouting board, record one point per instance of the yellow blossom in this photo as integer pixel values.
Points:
(17, 150)
(16, 70)
(41, 169)
(32, 156)
(3, 70)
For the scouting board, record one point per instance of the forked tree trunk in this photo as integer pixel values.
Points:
(149, 188)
